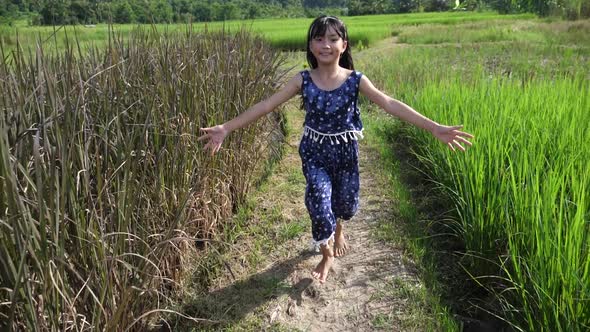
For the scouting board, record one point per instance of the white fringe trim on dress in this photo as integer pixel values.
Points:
(315, 245)
(345, 135)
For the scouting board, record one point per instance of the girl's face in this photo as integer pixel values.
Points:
(328, 48)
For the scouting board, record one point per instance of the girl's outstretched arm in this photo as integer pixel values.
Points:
(214, 136)
(450, 135)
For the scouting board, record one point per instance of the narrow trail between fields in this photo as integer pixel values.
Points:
(352, 299)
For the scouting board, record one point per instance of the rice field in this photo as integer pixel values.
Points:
(521, 196)
(284, 34)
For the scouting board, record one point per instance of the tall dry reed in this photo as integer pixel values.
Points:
(103, 184)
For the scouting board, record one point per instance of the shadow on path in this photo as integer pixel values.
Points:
(232, 303)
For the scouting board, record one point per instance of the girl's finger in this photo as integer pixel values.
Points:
(450, 145)
(211, 147)
(464, 134)
(459, 145)
(202, 137)
(217, 148)
(464, 140)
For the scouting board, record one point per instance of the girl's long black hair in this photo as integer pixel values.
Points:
(318, 27)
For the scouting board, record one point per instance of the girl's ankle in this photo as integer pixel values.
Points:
(327, 250)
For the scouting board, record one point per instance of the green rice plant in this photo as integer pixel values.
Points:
(521, 194)
(104, 188)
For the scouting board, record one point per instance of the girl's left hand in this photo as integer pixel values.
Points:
(452, 136)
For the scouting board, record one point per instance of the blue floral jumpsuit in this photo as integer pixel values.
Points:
(329, 154)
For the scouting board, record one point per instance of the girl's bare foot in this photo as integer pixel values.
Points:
(321, 270)
(340, 246)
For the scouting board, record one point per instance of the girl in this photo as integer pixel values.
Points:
(328, 148)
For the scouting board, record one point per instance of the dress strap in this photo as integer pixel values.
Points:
(305, 81)
(357, 75)
(305, 75)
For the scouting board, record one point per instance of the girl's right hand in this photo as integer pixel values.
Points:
(214, 136)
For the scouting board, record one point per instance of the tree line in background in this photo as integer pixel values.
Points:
(48, 12)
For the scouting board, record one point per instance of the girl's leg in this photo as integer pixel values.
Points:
(318, 200)
(318, 190)
(340, 245)
(318, 195)
(345, 194)
(322, 269)
(318, 203)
